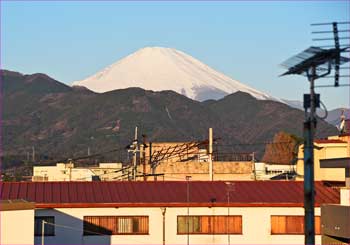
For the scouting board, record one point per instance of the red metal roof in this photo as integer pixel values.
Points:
(328, 141)
(164, 193)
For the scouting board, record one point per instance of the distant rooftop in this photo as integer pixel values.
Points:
(328, 141)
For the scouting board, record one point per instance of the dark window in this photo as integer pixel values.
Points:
(282, 224)
(218, 224)
(115, 225)
(49, 228)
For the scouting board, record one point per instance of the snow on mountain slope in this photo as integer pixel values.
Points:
(157, 68)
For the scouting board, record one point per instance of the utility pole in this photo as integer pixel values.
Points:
(134, 158)
(309, 192)
(70, 166)
(33, 154)
(253, 163)
(144, 156)
(211, 177)
(315, 63)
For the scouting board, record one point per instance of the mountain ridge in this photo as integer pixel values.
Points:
(62, 122)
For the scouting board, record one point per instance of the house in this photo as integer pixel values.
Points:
(335, 220)
(332, 147)
(175, 171)
(169, 212)
(16, 216)
(67, 172)
(176, 160)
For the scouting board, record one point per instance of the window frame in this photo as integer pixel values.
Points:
(41, 218)
(211, 226)
(317, 225)
(115, 232)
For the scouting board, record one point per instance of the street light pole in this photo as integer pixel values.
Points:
(188, 178)
(229, 187)
(42, 231)
(228, 213)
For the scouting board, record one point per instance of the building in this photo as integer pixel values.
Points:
(170, 212)
(335, 220)
(332, 147)
(16, 222)
(67, 172)
(176, 160)
(175, 171)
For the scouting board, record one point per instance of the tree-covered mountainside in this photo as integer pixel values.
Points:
(63, 122)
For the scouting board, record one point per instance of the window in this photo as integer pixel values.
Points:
(291, 225)
(49, 229)
(218, 224)
(115, 225)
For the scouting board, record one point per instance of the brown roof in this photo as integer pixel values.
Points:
(165, 193)
(328, 141)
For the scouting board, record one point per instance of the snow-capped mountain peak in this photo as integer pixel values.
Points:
(158, 68)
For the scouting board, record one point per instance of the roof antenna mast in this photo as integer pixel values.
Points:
(315, 63)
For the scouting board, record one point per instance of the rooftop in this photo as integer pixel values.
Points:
(329, 141)
(8, 205)
(165, 193)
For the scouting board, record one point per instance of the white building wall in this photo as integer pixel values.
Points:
(62, 172)
(255, 221)
(73, 217)
(17, 227)
(256, 226)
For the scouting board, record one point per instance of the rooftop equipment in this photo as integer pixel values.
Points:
(314, 63)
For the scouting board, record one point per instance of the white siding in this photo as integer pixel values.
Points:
(17, 227)
(255, 220)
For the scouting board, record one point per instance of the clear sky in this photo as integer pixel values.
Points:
(245, 40)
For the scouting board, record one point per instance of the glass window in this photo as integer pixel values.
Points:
(284, 224)
(218, 224)
(49, 228)
(115, 225)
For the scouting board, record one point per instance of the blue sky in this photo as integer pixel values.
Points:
(245, 40)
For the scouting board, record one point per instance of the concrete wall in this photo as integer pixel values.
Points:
(17, 227)
(200, 170)
(186, 150)
(255, 220)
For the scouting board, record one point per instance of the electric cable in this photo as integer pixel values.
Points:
(325, 111)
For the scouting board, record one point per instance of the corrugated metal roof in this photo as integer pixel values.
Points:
(165, 193)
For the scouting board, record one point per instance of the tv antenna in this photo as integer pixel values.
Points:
(317, 62)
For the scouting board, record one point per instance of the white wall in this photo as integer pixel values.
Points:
(256, 226)
(74, 218)
(17, 227)
(62, 172)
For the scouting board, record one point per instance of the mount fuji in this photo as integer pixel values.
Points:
(158, 69)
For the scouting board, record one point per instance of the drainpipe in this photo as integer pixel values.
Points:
(163, 214)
